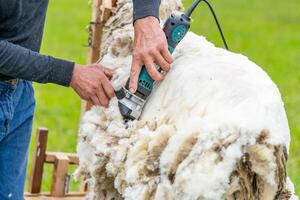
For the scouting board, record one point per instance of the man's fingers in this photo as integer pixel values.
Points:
(95, 100)
(153, 71)
(134, 75)
(102, 97)
(166, 55)
(161, 62)
(108, 89)
(108, 72)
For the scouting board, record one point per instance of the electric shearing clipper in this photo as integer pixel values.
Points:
(175, 28)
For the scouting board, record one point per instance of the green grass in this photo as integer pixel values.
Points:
(58, 108)
(268, 32)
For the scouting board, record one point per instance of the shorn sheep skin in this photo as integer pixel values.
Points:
(214, 128)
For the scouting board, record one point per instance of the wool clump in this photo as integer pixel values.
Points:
(214, 128)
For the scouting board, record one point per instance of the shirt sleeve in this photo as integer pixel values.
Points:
(144, 8)
(19, 62)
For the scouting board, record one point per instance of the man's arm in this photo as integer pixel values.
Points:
(91, 82)
(150, 43)
(19, 62)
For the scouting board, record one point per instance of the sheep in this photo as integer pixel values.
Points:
(214, 128)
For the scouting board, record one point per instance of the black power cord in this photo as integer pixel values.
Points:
(217, 22)
(195, 4)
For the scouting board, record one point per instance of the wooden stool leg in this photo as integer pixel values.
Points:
(83, 186)
(36, 174)
(60, 172)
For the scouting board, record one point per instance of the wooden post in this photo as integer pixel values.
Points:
(100, 14)
(60, 172)
(95, 29)
(36, 174)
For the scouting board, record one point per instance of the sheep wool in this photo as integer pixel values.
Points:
(214, 128)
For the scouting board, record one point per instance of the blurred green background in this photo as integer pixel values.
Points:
(268, 32)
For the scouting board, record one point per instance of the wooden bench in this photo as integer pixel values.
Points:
(60, 178)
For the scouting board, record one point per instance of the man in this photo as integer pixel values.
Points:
(21, 30)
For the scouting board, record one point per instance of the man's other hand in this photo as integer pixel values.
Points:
(91, 83)
(150, 48)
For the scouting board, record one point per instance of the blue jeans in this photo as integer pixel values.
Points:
(16, 114)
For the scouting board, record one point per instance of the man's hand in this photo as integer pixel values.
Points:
(150, 46)
(91, 83)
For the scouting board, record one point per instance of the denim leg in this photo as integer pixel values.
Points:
(14, 143)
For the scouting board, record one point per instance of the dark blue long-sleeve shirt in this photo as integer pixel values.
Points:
(21, 30)
(144, 8)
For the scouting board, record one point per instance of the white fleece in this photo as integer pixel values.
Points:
(199, 122)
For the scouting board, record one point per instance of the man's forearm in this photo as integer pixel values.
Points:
(19, 62)
(144, 8)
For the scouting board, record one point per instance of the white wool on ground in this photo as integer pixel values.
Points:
(213, 114)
